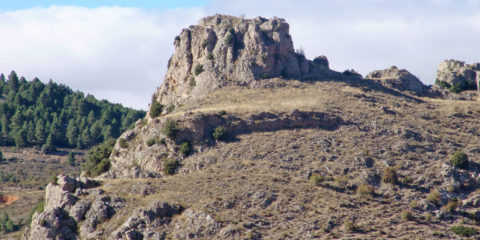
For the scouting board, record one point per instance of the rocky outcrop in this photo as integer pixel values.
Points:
(400, 79)
(62, 209)
(148, 222)
(458, 76)
(224, 50)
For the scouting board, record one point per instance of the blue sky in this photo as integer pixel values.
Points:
(8, 5)
(119, 51)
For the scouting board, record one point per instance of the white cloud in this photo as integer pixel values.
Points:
(115, 53)
(121, 53)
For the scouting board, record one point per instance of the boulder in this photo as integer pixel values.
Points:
(54, 224)
(400, 79)
(458, 76)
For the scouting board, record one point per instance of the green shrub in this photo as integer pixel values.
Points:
(407, 180)
(1, 156)
(170, 167)
(198, 69)
(316, 179)
(456, 88)
(460, 160)
(186, 148)
(43, 222)
(451, 206)
(434, 197)
(441, 84)
(210, 56)
(463, 231)
(54, 180)
(365, 190)
(170, 108)
(341, 181)
(407, 215)
(151, 142)
(38, 208)
(97, 159)
(390, 175)
(170, 129)
(71, 158)
(204, 43)
(220, 133)
(229, 39)
(414, 204)
(162, 141)
(349, 226)
(155, 109)
(123, 143)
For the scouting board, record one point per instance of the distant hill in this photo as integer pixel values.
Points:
(53, 115)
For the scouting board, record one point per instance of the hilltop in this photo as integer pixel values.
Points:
(248, 139)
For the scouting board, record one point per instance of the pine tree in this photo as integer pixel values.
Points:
(12, 83)
(9, 226)
(71, 158)
(40, 134)
(4, 126)
(72, 133)
(20, 136)
(31, 139)
(48, 147)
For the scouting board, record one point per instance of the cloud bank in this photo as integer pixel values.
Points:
(115, 53)
(121, 53)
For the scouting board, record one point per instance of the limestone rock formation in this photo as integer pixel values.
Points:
(458, 76)
(400, 79)
(224, 50)
(62, 210)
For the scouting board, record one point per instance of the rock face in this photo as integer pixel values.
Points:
(62, 210)
(224, 50)
(400, 79)
(458, 76)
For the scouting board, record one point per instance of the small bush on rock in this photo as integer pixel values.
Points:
(220, 133)
(451, 206)
(390, 175)
(155, 109)
(170, 167)
(316, 179)
(151, 142)
(460, 160)
(98, 158)
(406, 215)
(170, 128)
(186, 148)
(365, 190)
(434, 197)
(463, 231)
(198, 69)
(349, 226)
(123, 143)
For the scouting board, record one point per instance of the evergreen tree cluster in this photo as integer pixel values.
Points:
(52, 115)
(6, 224)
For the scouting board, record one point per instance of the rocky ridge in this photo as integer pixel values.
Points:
(457, 75)
(257, 182)
(224, 50)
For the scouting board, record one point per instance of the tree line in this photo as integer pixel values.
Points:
(53, 115)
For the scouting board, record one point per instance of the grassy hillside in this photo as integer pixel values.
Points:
(387, 172)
